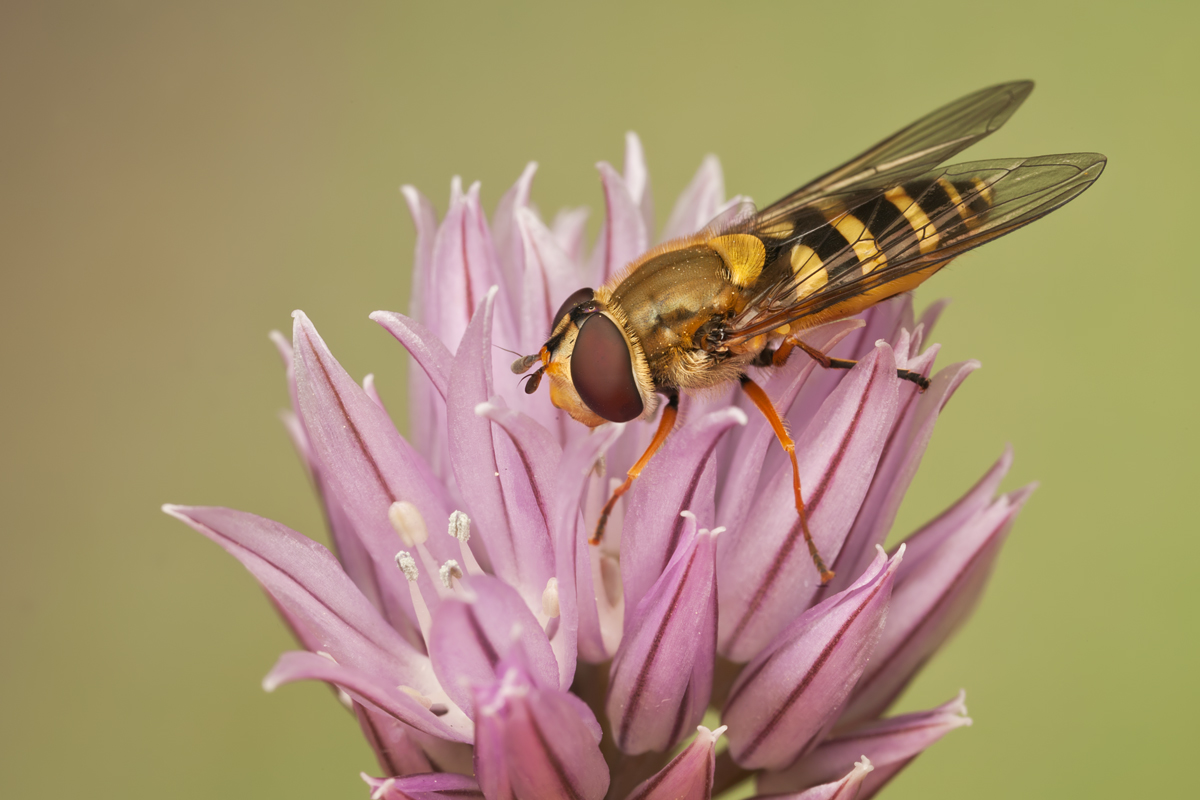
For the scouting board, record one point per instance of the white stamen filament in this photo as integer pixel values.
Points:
(550, 599)
(408, 523)
(323, 654)
(408, 565)
(460, 528)
(448, 572)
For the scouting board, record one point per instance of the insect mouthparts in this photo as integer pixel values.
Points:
(522, 364)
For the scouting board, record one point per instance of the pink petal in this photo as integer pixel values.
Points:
(551, 275)
(425, 221)
(850, 787)
(689, 776)
(890, 744)
(347, 546)
(744, 449)
(765, 572)
(637, 179)
(661, 678)
(533, 743)
(787, 698)
(434, 786)
(470, 636)
(569, 226)
(509, 247)
(501, 494)
(465, 266)
(623, 236)
(699, 202)
(672, 482)
(373, 691)
(427, 388)
(579, 620)
(325, 609)
(392, 742)
(935, 591)
(366, 462)
(902, 455)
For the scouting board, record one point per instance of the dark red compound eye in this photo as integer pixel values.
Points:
(577, 298)
(602, 370)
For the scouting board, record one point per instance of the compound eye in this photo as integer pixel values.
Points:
(577, 298)
(602, 370)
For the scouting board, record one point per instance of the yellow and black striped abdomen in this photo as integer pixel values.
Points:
(880, 234)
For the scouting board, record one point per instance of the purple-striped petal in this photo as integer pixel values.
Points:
(347, 545)
(428, 387)
(689, 776)
(681, 477)
(579, 630)
(890, 744)
(850, 787)
(765, 572)
(324, 608)
(367, 463)
(434, 786)
(661, 678)
(623, 236)
(942, 579)
(532, 742)
(698, 203)
(902, 455)
(744, 449)
(788, 697)
(471, 634)
(430, 712)
(503, 498)
(392, 741)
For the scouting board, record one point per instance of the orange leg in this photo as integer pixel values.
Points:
(756, 394)
(664, 427)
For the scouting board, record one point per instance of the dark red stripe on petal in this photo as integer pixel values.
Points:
(795, 535)
(639, 688)
(811, 674)
(560, 772)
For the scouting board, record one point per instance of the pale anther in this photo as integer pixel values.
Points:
(460, 526)
(407, 564)
(323, 654)
(408, 523)
(448, 572)
(550, 598)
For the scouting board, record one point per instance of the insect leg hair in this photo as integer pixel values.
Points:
(665, 424)
(760, 399)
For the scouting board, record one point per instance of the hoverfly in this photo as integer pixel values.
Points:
(696, 312)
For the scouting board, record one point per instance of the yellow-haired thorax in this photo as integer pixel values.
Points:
(663, 300)
(563, 393)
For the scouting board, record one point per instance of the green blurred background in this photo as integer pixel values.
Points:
(175, 180)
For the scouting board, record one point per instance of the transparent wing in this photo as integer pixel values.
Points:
(1016, 191)
(913, 150)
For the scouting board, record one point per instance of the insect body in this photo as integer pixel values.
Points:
(697, 312)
